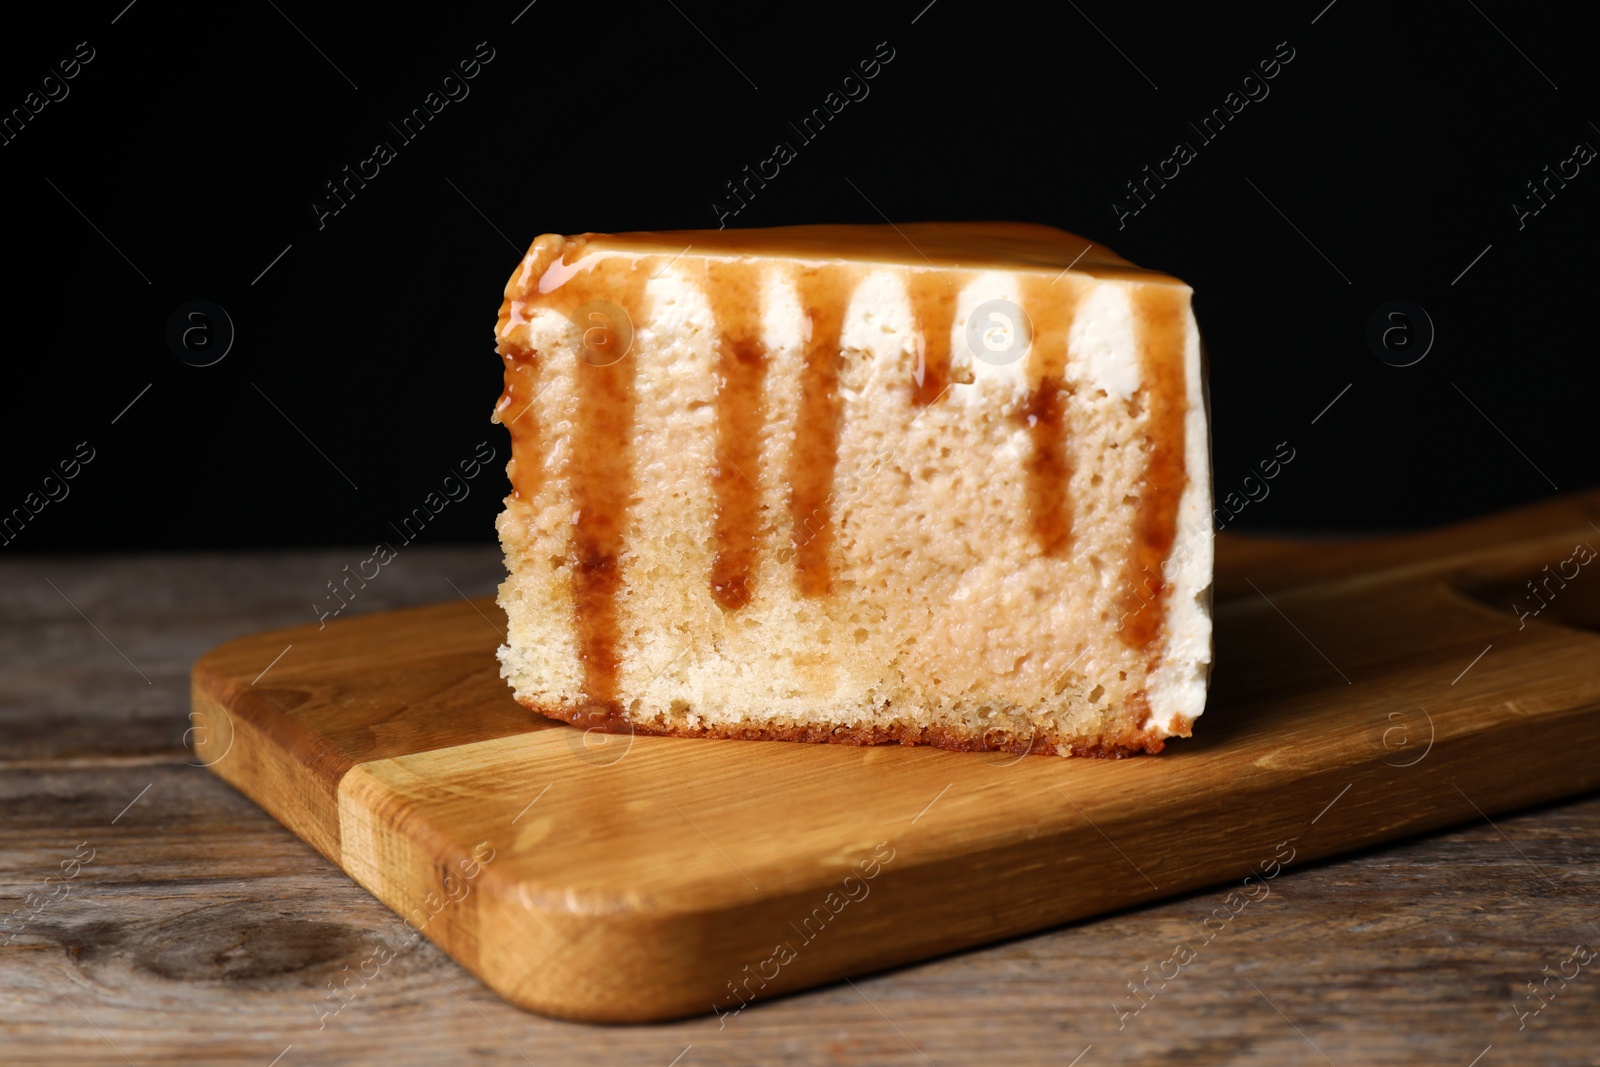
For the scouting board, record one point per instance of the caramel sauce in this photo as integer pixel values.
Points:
(964, 245)
(933, 303)
(514, 410)
(1050, 306)
(1161, 320)
(601, 476)
(824, 294)
(600, 454)
(734, 289)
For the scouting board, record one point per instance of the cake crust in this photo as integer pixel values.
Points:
(1117, 745)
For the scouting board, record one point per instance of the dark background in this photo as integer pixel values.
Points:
(185, 157)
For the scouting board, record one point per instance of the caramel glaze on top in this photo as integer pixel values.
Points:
(564, 274)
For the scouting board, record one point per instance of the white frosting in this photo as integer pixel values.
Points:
(1102, 346)
(986, 374)
(1178, 685)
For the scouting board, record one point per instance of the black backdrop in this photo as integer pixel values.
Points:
(1384, 160)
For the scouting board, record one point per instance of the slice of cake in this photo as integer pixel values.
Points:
(939, 484)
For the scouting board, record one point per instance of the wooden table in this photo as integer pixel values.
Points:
(183, 924)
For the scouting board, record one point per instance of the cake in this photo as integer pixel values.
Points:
(940, 483)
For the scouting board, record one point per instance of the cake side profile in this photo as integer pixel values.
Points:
(942, 483)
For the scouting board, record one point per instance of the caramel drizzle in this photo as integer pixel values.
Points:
(815, 454)
(515, 412)
(600, 467)
(734, 290)
(1051, 308)
(1161, 319)
(933, 302)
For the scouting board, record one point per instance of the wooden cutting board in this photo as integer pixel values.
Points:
(1363, 691)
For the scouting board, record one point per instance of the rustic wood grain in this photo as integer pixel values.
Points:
(203, 932)
(1277, 563)
(390, 743)
(1411, 953)
(98, 649)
